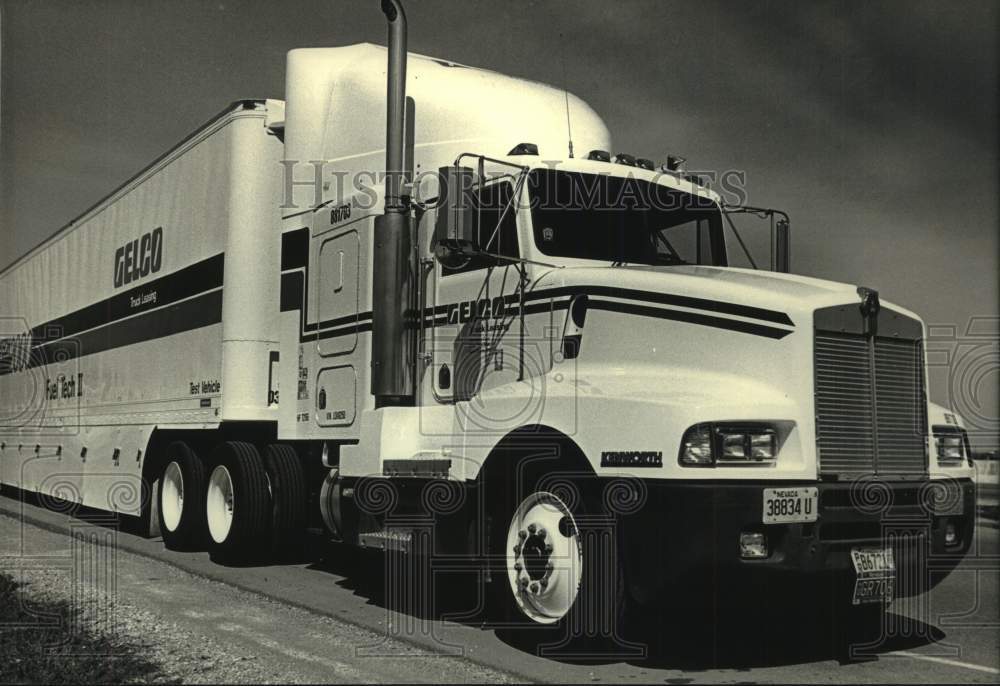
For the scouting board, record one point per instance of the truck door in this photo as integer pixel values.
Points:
(475, 337)
(337, 314)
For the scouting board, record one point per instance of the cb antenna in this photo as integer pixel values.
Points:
(569, 126)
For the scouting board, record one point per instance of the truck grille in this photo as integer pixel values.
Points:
(871, 408)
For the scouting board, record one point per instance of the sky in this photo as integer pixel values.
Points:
(873, 124)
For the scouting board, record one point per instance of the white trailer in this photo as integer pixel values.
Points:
(133, 318)
(541, 359)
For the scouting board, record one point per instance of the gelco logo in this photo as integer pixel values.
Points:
(139, 258)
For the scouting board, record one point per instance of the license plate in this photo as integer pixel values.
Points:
(783, 505)
(876, 575)
(873, 590)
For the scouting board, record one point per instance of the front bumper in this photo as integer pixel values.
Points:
(687, 534)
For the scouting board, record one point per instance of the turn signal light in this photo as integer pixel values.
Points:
(950, 445)
(696, 449)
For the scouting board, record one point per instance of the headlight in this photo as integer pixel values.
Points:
(763, 445)
(951, 445)
(705, 445)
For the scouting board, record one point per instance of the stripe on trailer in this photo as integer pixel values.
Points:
(689, 317)
(193, 313)
(197, 278)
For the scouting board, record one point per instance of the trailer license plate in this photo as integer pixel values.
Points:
(783, 505)
(876, 575)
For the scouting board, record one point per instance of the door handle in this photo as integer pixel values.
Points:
(340, 278)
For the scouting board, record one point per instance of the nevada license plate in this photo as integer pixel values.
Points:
(783, 505)
(876, 575)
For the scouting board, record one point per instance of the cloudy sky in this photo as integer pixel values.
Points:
(874, 124)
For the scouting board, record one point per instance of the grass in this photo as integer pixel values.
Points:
(41, 643)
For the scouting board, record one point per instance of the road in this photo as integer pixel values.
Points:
(329, 619)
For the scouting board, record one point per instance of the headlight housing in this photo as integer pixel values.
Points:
(729, 443)
(952, 446)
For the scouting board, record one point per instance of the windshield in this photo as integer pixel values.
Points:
(623, 220)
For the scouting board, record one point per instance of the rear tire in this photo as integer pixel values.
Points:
(237, 503)
(181, 498)
(288, 498)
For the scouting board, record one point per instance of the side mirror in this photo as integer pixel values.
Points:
(781, 246)
(455, 239)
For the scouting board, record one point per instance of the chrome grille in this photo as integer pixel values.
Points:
(871, 415)
(901, 407)
(844, 420)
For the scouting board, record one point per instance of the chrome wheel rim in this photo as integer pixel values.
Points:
(219, 504)
(172, 497)
(544, 558)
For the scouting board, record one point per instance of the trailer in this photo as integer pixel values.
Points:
(420, 307)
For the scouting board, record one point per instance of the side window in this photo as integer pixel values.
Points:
(689, 241)
(496, 235)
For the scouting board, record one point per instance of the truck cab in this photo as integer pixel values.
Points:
(561, 339)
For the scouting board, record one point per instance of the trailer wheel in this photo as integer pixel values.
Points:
(288, 497)
(237, 502)
(181, 498)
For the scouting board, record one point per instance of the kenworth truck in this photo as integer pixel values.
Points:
(396, 307)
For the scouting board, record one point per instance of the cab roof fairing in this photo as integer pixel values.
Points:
(335, 111)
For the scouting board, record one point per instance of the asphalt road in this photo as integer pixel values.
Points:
(331, 619)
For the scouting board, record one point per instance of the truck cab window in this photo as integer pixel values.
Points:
(616, 219)
(689, 242)
(497, 226)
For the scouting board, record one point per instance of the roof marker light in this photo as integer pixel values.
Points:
(645, 164)
(524, 149)
(599, 155)
(623, 158)
(675, 163)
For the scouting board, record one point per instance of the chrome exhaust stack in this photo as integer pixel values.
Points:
(393, 330)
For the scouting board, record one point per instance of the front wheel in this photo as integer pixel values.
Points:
(562, 576)
(544, 556)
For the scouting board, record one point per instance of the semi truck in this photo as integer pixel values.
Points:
(420, 307)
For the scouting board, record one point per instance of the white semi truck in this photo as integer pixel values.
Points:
(395, 311)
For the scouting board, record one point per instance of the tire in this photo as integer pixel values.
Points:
(288, 497)
(556, 569)
(181, 498)
(237, 503)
